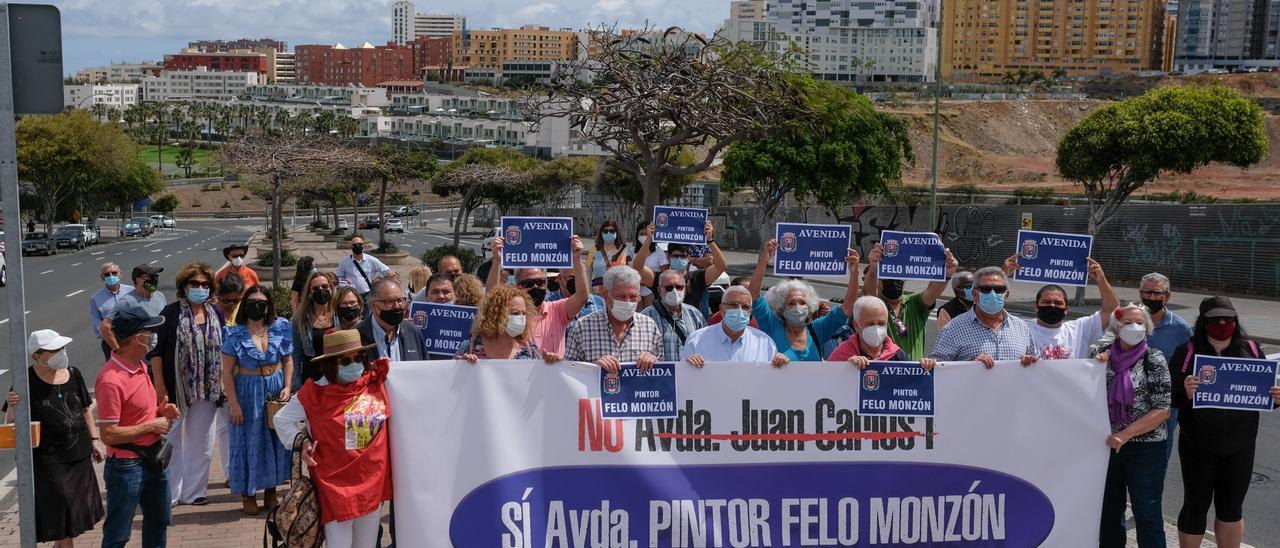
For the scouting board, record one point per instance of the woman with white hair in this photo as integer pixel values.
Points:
(1138, 400)
(871, 341)
(784, 312)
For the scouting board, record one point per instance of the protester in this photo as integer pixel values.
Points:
(130, 416)
(987, 333)
(732, 340)
(569, 287)
(230, 291)
(697, 281)
(449, 266)
(257, 362)
(360, 270)
(784, 311)
(312, 318)
(961, 285)
(549, 332)
(609, 251)
(186, 367)
(745, 282)
(1171, 332)
(66, 487)
(439, 290)
(1217, 445)
(104, 302)
(145, 295)
(418, 277)
(395, 277)
(655, 260)
(349, 307)
(468, 290)
(907, 315)
(302, 272)
(1057, 338)
(387, 329)
(347, 414)
(616, 335)
(234, 254)
(502, 329)
(871, 340)
(1138, 404)
(675, 319)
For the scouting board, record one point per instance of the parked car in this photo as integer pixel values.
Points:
(2, 242)
(406, 211)
(96, 232)
(169, 222)
(4, 271)
(156, 221)
(89, 237)
(488, 241)
(71, 236)
(39, 242)
(133, 229)
(369, 223)
(394, 225)
(343, 224)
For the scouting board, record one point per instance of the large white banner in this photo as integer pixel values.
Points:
(516, 454)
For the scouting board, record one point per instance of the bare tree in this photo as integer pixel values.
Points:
(476, 183)
(645, 95)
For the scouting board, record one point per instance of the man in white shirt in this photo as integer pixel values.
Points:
(360, 270)
(732, 340)
(1060, 339)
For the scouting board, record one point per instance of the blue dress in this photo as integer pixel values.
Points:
(258, 459)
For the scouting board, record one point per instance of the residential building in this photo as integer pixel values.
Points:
(118, 73)
(492, 48)
(286, 68)
(172, 85)
(860, 40)
(370, 65)
(211, 46)
(318, 95)
(982, 40)
(749, 22)
(238, 61)
(1230, 35)
(407, 24)
(114, 96)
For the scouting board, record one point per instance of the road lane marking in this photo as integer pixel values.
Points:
(154, 262)
(77, 264)
(45, 272)
(4, 321)
(156, 250)
(8, 483)
(169, 255)
(75, 293)
(97, 252)
(119, 254)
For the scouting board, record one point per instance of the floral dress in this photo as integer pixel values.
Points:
(258, 459)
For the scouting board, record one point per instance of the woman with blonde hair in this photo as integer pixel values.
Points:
(348, 307)
(313, 316)
(503, 329)
(469, 290)
(418, 279)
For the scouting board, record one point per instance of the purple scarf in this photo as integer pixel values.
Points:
(1120, 392)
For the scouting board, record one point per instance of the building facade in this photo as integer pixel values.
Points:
(118, 73)
(857, 40)
(492, 48)
(1227, 35)
(172, 85)
(114, 96)
(407, 24)
(366, 65)
(211, 46)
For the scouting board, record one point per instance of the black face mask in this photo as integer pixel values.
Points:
(391, 317)
(1051, 314)
(357, 249)
(537, 294)
(321, 296)
(1153, 307)
(256, 310)
(569, 287)
(891, 290)
(348, 313)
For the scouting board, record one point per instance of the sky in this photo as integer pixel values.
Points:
(97, 32)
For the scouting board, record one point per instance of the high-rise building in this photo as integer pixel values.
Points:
(1222, 34)
(492, 48)
(748, 22)
(983, 40)
(286, 68)
(861, 40)
(211, 46)
(407, 24)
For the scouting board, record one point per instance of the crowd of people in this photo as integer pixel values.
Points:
(221, 367)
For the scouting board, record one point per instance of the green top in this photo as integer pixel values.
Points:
(915, 316)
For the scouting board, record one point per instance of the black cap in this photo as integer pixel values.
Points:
(143, 270)
(133, 319)
(1217, 307)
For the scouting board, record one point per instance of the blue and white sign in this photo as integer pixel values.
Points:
(680, 225)
(636, 394)
(1053, 258)
(445, 327)
(912, 256)
(537, 242)
(896, 388)
(811, 250)
(1234, 383)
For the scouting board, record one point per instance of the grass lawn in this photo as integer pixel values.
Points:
(169, 155)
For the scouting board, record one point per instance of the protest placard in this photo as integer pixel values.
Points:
(679, 225)
(537, 242)
(1234, 383)
(1053, 258)
(445, 327)
(912, 256)
(811, 250)
(633, 394)
(896, 388)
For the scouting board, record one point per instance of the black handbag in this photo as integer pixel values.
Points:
(155, 456)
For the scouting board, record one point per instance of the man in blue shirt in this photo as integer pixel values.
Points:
(1170, 332)
(987, 333)
(103, 302)
(732, 340)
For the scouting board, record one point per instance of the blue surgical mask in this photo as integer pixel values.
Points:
(197, 295)
(609, 237)
(350, 373)
(680, 265)
(991, 303)
(737, 320)
(111, 281)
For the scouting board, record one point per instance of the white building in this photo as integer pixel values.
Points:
(118, 73)
(114, 96)
(407, 24)
(318, 95)
(286, 68)
(199, 83)
(860, 40)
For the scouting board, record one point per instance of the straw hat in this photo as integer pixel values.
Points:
(338, 343)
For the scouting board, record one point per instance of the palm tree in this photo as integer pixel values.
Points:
(282, 119)
(324, 122)
(348, 126)
(303, 121)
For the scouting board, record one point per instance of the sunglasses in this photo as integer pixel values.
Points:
(200, 284)
(115, 273)
(533, 282)
(348, 360)
(673, 287)
(998, 289)
(608, 231)
(228, 301)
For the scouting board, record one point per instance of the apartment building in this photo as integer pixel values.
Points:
(114, 96)
(212, 46)
(118, 73)
(492, 48)
(858, 40)
(407, 24)
(201, 82)
(1229, 35)
(369, 65)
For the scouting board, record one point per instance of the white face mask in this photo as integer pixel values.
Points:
(644, 239)
(515, 325)
(796, 315)
(237, 261)
(59, 360)
(873, 335)
(622, 310)
(1133, 333)
(673, 298)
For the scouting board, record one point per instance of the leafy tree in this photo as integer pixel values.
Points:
(852, 150)
(396, 164)
(62, 154)
(497, 174)
(165, 204)
(185, 159)
(557, 178)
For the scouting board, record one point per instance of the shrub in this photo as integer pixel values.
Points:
(386, 247)
(320, 224)
(280, 298)
(469, 258)
(286, 259)
(1032, 196)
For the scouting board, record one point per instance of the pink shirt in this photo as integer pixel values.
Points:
(549, 333)
(125, 397)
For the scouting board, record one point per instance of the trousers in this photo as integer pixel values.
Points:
(129, 486)
(360, 532)
(192, 439)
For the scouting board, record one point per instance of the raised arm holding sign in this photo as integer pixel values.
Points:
(912, 256)
(811, 250)
(1052, 258)
(537, 242)
(679, 225)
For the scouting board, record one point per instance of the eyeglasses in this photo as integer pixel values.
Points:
(1152, 293)
(200, 284)
(392, 302)
(673, 287)
(256, 301)
(608, 231)
(735, 306)
(237, 256)
(348, 360)
(531, 283)
(111, 273)
(998, 289)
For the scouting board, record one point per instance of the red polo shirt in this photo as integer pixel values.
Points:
(126, 397)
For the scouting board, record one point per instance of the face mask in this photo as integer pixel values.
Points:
(1153, 306)
(680, 265)
(197, 295)
(569, 286)
(321, 296)
(873, 335)
(350, 373)
(673, 298)
(964, 294)
(644, 239)
(737, 320)
(991, 303)
(892, 290)
(1051, 315)
(348, 313)
(537, 294)
(256, 310)
(1221, 331)
(151, 286)
(622, 310)
(391, 317)
(237, 261)
(59, 360)
(515, 325)
(1133, 333)
(609, 237)
(357, 249)
(111, 281)
(796, 315)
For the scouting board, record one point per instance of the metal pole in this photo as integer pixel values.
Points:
(937, 108)
(17, 301)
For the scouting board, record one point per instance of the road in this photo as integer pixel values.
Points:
(58, 289)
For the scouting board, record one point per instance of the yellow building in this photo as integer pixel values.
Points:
(982, 40)
(491, 48)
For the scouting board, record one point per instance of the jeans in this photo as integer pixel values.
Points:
(130, 485)
(1170, 426)
(1138, 472)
